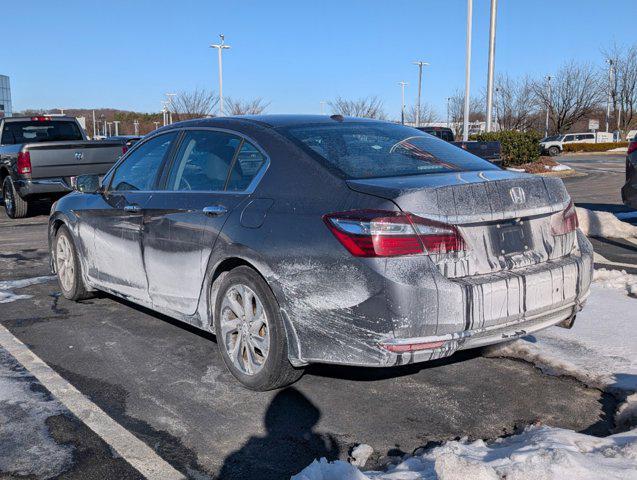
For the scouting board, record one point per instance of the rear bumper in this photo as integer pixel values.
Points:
(42, 187)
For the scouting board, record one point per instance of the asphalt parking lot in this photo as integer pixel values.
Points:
(166, 384)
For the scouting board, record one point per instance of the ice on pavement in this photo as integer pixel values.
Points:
(26, 447)
(360, 454)
(596, 223)
(7, 287)
(600, 351)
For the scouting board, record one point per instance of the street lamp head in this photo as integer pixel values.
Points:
(421, 63)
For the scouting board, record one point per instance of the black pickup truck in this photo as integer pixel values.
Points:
(40, 157)
(488, 150)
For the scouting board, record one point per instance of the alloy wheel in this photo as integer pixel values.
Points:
(245, 332)
(65, 263)
(7, 195)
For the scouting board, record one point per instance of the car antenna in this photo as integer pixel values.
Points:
(338, 118)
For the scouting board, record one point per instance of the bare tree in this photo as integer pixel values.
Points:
(370, 107)
(623, 88)
(575, 94)
(427, 114)
(246, 107)
(456, 111)
(514, 103)
(195, 104)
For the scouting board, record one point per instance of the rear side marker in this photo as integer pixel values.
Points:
(411, 347)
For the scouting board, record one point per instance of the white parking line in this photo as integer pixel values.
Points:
(139, 455)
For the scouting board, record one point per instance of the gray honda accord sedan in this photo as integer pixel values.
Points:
(303, 239)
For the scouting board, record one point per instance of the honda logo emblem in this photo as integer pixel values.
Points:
(517, 195)
(79, 156)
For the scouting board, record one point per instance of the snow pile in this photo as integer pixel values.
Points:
(26, 447)
(603, 224)
(539, 452)
(616, 279)
(7, 287)
(360, 454)
(557, 168)
(618, 150)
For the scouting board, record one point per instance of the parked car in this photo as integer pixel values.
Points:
(128, 140)
(629, 190)
(631, 136)
(554, 144)
(40, 156)
(305, 239)
(487, 150)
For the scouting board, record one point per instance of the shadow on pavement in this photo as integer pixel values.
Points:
(289, 444)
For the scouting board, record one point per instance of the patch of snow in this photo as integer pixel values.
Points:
(7, 287)
(360, 454)
(618, 150)
(513, 169)
(560, 168)
(594, 223)
(616, 279)
(539, 452)
(26, 446)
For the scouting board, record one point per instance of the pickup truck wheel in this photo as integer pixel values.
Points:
(14, 205)
(250, 332)
(554, 151)
(67, 266)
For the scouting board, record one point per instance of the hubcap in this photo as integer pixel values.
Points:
(245, 332)
(65, 263)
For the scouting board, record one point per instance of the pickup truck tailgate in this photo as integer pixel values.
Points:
(65, 159)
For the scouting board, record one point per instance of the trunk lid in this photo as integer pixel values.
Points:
(72, 158)
(504, 217)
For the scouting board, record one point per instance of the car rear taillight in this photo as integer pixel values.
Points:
(124, 149)
(24, 162)
(632, 147)
(565, 221)
(40, 118)
(379, 233)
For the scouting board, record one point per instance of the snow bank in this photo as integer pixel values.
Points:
(616, 279)
(539, 452)
(603, 224)
(7, 287)
(557, 168)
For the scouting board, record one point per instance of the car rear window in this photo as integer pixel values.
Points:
(369, 150)
(40, 131)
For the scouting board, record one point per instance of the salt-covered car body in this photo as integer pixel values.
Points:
(370, 265)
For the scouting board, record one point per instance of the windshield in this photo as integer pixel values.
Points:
(553, 138)
(367, 150)
(40, 131)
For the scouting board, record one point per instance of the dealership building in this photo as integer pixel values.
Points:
(5, 97)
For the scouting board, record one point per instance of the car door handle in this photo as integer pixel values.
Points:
(132, 208)
(215, 210)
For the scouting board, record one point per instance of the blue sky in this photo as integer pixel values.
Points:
(127, 54)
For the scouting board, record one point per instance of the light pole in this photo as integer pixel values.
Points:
(220, 47)
(116, 123)
(420, 64)
(448, 100)
(110, 131)
(322, 108)
(156, 125)
(94, 126)
(164, 111)
(402, 105)
(548, 105)
(467, 79)
(169, 106)
(494, 13)
(136, 126)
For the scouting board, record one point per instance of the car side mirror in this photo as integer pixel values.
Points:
(87, 183)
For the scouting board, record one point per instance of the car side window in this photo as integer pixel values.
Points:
(569, 138)
(203, 161)
(139, 170)
(248, 163)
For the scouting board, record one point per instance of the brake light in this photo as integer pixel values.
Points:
(124, 149)
(24, 162)
(632, 147)
(379, 233)
(565, 221)
(40, 118)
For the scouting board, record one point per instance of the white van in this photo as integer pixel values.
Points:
(631, 136)
(554, 145)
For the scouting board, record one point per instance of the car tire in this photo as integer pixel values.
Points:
(241, 334)
(14, 204)
(554, 151)
(68, 267)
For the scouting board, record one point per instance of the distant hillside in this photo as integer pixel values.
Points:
(125, 117)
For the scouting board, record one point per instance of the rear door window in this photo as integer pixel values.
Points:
(247, 165)
(377, 149)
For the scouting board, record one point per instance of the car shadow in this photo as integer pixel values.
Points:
(290, 442)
